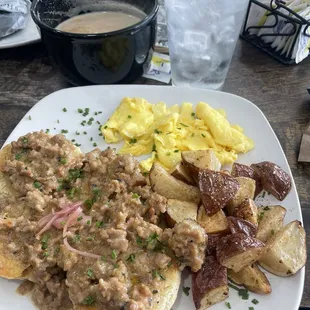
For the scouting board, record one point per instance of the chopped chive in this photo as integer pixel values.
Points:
(64, 131)
(176, 151)
(99, 224)
(47, 130)
(193, 114)
(227, 304)
(80, 111)
(158, 131)
(255, 301)
(131, 258)
(94, 144)
(251, 308)
(80, 218)
(89, 272)
(129, 116)
(135, 195)
(114, 254)
(45, 254)
(84, 132)
(29, 117)
(233, 286)
(184, 125)
(203, 135)
(18, 156)
(77, 144)
(77, 133)
(58, 121)
(133, 141)
(266, 208)
(105, 127)
(63, 161)
(88, 222)
(186, 290)
(64, 109)
(89, 238)
(89, 300)
(37, 184)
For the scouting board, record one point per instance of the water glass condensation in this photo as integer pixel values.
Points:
(202, 36)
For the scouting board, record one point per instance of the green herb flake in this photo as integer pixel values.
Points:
(99, 224)
(63, 160)
(129, 116)
(158, 131)
(25, 140)
(156, 273)
(139, 241)
(114, 254)
(227, 304)
(77, 133)
(203, 135)
(260, 216)
(88, 222)
(266, 208)
(90, 239)
(94, 144)
(131, 258)
(58, 121)
(89, 272)
(64, 131)
(116, 265)
(77, 144)
(44, 241)
(84, 132)
(105, 127)
(18, 156)
(251, 308)
(80, 218)
(80, 111)
(233, 286)
(255, 301)
(57, 250)
(89, 300)
(193, 114)
(29, 117)
(186, 290)
(71, 192)
(45, 254)
(73, 140)
(154, 148)
(83, 123)
(64, 109)
(135, 195)
(37, 184)
(103, 258)
(133, 141)
(263, 194)
(176, 151)
(89, 203)
(243, 293)
(47, 130)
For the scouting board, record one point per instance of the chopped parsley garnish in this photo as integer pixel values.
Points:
(152, 238)
(64, 131)
(18, 156)
(135, 195)
(145, 173)
(80, 218)
(83, 123)
(156, 273)
(266, 208)
(89, 300)
(114, 254)
(75, 174)
(133, 141)
(94, 144)
(37, 184)
(63, 160)
(105, 127)
(203, 135)
(139, 241)
(129, 116)
(227, 304)
(73, 140)
(29, 117)
(25, 140)
(71, 192)
(44, 241)
(184, 125)
(89, 238)
(131, 258)
(89, 203)
(91, 139)
(90, 121)
(57, 250)
(89, 272)
(186, 290)
(100, 134)
(176, 151)
(77, 238)
(116, 265)
(158, 131)
(47, 130)
(251, 308)
(45, 254)
(64, 109)
(88, 222)
(99, 224)
(233, 286)
(77, 144)
(255, 301)
(260, 216)
(84, 132)
(77, 133)
(80, 111)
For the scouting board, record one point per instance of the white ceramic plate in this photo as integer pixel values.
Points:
(30, 34)
(287, 292)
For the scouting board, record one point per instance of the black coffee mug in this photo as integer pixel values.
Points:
(103, 58)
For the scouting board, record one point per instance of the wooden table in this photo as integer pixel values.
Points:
(26, 76)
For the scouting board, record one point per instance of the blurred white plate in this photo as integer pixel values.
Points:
(48, 114)
(30, 34)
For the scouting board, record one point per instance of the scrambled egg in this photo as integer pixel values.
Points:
(165, 132)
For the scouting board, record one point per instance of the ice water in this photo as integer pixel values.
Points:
(202, 38)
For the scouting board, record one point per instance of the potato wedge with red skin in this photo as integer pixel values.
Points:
(202, 159)
(246, 190)
(252, 278)
(240, 170)
(166, 185)
(216, 188)
(286, 251)
(237, 251)
(213, 224)
(213, 239)
(247, 210)
(178, 211)
(274, 179)
(271, 219)
(237, 225)
(180, 173)
(209, 284)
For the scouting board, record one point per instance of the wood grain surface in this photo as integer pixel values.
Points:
(280, 91)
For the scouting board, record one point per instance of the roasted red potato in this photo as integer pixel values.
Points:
(212, 224)
(240, 170)
(180, 173)
(252, 278)
(213, 239)
(237, 225)
(216, 188)
(274, 179)
(237, 251)
(247, 210)
(209, 284)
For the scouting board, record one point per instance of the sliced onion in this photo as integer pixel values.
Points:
(70, 248)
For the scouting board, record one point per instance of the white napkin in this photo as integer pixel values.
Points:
(13, 14)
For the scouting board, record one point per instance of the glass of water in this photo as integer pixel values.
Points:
(202, 37)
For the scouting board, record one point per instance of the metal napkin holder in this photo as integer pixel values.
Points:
(273, 9)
